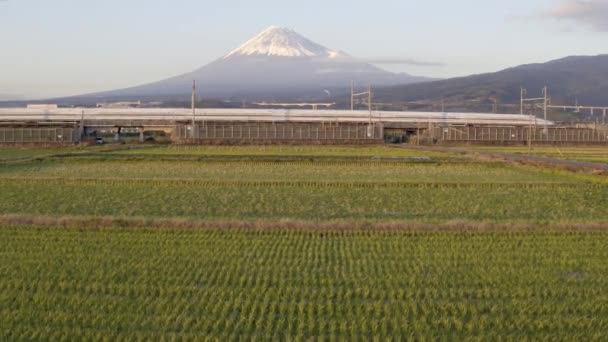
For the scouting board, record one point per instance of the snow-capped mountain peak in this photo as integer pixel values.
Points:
(282, 42)
(276, 63)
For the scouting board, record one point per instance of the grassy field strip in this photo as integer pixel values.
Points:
(20, 154)
(373, 172)
(24, 154)
(121, 284)
(254, 158)
(592, 154)
(300, 184)
(581, 203)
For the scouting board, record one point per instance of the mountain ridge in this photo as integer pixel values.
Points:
(572, 78)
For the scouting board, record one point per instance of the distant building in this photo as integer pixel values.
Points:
(156, 104)
(123, 104)
(42, 106)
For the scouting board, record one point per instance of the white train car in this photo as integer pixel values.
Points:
(263, 115)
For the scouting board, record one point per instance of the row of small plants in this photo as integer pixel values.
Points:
(76, 283)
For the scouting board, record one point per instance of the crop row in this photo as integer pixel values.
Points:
(264, 160)
(334, 151)
(299, 184)
(151, 284)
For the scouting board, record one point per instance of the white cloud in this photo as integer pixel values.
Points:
(591, 13)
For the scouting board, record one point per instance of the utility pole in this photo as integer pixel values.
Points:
(530, 134)
(442, 105)
(193, 109)
(82, 129)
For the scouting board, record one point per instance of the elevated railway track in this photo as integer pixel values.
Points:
(23, 125)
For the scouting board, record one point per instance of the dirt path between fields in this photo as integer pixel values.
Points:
(525, 159)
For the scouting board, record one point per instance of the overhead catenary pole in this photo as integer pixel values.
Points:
(352, 96)
(369, 94)
(193, 109)
(370, 129)
(530, 132)
(546, 98)
(523, 95)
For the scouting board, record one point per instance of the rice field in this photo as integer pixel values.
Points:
(304, 188)
(166, 284)
(266, 250)
(593, 154)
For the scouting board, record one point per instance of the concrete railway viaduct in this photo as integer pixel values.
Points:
(262, 126)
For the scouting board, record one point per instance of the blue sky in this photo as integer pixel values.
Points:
(64, 47)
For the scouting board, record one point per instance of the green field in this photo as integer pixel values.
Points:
(16, 153)
(299, 242)
(316, 202)
(117, 284)
(379, 172)
(591, 154)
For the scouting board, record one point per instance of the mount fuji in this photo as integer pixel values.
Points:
(277, 63)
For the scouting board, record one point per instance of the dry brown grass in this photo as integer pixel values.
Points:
(288, 225)
(523, 159)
